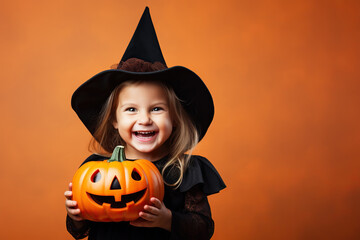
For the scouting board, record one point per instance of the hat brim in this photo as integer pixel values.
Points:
(88, 100)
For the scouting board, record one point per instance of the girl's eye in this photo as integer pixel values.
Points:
(155, 109)
(131, 109)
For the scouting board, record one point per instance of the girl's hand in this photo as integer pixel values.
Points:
(156, 215)
(71, 206)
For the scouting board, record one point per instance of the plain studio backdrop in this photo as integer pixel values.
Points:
(284, 77)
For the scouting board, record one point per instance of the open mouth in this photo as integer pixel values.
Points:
(144, 134)
(111, 199)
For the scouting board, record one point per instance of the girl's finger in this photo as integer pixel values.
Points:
(70, 203)
(147, 216)
(68, 195)
(156, 202)
(74, 212)
(151, 209)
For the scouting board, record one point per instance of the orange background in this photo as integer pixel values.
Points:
(284, 76)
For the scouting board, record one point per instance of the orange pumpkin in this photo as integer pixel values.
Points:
(116, 190)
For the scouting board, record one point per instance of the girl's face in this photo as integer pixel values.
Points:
(143, 120)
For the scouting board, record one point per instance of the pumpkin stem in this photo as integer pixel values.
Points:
(118, 154)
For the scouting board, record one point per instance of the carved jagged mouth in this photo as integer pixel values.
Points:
(111, 199)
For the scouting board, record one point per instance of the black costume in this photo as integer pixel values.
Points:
(191, 215)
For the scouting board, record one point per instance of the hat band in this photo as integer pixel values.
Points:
(139, 65)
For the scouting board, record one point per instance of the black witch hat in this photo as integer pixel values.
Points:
(88, 100)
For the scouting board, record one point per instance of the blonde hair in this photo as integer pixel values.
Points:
(183, 138)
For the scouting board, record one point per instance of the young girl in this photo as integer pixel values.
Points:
(158, 114)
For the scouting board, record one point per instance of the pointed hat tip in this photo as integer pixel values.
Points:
(146, 13)
(144, 43)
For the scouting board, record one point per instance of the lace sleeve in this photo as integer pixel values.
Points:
(195, 221)
(77, 233)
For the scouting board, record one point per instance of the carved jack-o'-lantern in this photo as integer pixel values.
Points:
(115, 189)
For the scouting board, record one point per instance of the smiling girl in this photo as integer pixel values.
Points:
(143, 120)
(158, 114)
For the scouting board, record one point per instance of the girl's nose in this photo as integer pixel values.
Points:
(144, 119)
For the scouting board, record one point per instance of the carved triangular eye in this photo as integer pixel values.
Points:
(115, 184)
(135, 175)
(96, 176)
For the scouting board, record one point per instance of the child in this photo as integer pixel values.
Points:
(158, 114)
